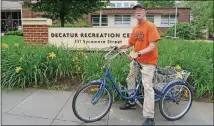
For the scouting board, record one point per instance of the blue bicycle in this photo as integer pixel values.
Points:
(174, 91)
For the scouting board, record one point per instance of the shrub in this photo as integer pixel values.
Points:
(196, 57)
(27, 65)
(33, 65)
(18, 33)
(183, 30)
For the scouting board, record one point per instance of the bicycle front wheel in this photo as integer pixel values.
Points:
(90, 103)
(176, 101)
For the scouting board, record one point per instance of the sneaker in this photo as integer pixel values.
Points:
(128, 105)
(148, 122)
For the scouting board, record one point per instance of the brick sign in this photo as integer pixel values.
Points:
(90, 38)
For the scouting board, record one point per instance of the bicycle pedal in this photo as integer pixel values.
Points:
(139, 104)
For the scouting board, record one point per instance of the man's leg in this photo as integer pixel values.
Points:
(149, 95)
(131, 82)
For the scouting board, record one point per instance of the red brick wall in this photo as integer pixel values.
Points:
(26, 13)
(184, 15)
(89, 19)
(35, 34)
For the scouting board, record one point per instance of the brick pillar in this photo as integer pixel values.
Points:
(35, 30)
(88, 17)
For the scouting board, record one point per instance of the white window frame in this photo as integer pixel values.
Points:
(120, 20)
(104, 23)
(168, 21)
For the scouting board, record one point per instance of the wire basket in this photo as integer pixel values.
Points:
(163, 76)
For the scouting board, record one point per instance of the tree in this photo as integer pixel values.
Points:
(66, 10)
(157, 4)
(202, 14)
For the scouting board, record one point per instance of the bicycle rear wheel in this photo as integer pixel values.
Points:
(91, 92)
(178, 93)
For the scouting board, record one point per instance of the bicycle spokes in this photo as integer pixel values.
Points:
(92, 102)
(177, 101)
(96, 96)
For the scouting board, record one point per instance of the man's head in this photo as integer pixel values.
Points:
(139, 11)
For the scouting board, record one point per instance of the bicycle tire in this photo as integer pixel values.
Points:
(161, 101)
(102, 115)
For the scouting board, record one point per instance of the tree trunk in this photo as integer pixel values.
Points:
(62, 20)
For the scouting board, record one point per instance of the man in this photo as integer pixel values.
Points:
(143, 37)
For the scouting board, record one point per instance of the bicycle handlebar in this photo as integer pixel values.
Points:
(115, 48)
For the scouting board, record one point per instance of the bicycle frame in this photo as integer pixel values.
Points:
(116, 87)
(108, 76)
(134, 96)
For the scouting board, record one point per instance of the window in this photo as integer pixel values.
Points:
(172, 19)
(168, 20)
(150, 18)
(126, 19)
(132, 4)
(96, 20)
(118, 19)
(122, 4)
(10, 21)
(119, 4)
(164, 20)
(15, 15)
(126, 5)
(3, 16)
(122, 20)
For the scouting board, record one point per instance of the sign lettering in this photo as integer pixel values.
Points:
(92, 38)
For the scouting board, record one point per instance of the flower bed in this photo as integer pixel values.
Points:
(39, 65)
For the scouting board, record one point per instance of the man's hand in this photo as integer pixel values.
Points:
(133, 55)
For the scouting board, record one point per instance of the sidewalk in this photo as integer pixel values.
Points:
(46, 107)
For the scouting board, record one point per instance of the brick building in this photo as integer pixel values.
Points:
(119, 14)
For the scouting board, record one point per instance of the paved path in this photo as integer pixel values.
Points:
(46, 107)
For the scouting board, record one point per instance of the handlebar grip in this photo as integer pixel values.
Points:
(115, 47)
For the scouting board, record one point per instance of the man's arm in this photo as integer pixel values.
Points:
(144, 51)
(148, 49)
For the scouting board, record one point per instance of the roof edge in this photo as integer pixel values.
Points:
(146, 8)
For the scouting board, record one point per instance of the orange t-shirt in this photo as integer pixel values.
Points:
(140, 38)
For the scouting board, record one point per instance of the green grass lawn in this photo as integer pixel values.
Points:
(39, 68)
